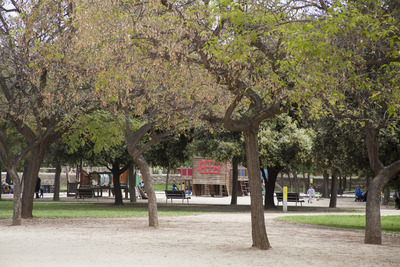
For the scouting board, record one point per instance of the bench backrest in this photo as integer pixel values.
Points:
(174, 193)
(290, 195)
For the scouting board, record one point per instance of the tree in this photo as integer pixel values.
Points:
(282, 144)
(99, 140)
(169, 154)
(354, 60)
(41, 92)
(149, 92)
(221, 146)
(243, 46)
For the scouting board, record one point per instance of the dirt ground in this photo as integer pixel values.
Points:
(215, 239)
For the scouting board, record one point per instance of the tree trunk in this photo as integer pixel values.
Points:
(117, 185)
(383, 175)
(151, 194)
(56, 193)
(334, 189)
(386, 195)
(273, 172)
(259, 233)
(35, 161)
(373, 233)
(296, 182)
(132, 184)
(166, 182)
(17, 190)
(235, 175)
(326, 185)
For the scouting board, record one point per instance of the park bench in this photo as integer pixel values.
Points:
(291, 197)
(85, 191)
(171, 194)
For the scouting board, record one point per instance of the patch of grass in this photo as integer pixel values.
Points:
(389, 224)
(78, 210)
(161, 187)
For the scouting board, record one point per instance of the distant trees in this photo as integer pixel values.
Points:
(282, 144)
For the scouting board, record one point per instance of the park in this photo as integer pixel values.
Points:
(216, 234)
(269, 103)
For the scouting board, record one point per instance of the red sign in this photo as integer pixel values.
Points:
(209, 167)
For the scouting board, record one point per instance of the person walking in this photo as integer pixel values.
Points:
(310, 193)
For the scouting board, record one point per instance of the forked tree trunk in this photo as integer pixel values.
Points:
(383, 175)
(152, 201)
(259, 233)
(273, 172)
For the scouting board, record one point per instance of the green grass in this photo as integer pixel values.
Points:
(78, 210)
(161, 187)
(389, 224)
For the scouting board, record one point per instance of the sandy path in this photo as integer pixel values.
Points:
(198, 240)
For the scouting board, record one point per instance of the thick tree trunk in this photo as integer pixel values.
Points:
(30, 176)
(259, 233)
(152, 201)
(117, 185)
(235, 175)
(383, 175)
(334, 189)
(373, 234)
(269, 202)
(56, 193)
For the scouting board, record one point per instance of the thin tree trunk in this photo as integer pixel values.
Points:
(235, 174)
(290, 181)
(326, 184)
(166, 182)
(334, 189)
(17, 191)
(56, 193)
(296, 182)
(152, 201)
(132, 184)
(259, 233)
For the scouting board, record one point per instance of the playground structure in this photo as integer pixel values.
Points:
(215, 179)
(94, 183)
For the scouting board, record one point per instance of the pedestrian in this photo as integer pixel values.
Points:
(396, 197)
(310, 193)
(37, 187)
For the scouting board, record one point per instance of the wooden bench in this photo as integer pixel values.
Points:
(171, 194)
(291, 197)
